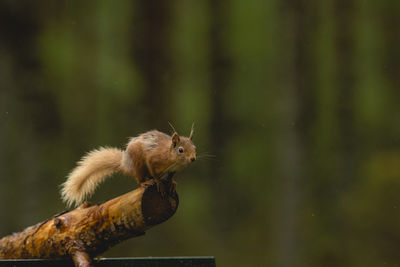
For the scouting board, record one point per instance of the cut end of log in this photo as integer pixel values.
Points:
(157, 209)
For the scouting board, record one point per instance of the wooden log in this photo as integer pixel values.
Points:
(88, 231)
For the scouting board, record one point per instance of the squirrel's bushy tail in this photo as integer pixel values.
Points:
(93, 169)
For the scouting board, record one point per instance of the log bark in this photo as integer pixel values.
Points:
(88, 231)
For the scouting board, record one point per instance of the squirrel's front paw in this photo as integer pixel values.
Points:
(160, 187)
(172, 187)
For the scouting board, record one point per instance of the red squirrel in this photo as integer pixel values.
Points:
(149, 157)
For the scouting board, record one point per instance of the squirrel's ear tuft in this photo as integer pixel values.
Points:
(172, 127)
(191, 132)
(175, 139)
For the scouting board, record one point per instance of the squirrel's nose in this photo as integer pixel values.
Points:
(192, 159)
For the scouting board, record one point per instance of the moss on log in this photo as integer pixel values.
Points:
(88, 231)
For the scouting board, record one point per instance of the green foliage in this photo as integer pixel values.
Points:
(297, 104)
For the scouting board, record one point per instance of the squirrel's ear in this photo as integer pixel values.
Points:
(175, 139)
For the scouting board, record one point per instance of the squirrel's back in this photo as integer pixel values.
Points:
(150, 140)
(91, 170)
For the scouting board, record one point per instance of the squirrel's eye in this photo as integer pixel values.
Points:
(180, 150)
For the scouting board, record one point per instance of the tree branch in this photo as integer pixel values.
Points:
(88, 231)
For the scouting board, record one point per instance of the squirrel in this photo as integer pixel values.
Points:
(149, 157)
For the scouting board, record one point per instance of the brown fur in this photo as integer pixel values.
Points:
(150, 155)
(91, 170)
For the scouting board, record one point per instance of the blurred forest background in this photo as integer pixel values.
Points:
(298, 101)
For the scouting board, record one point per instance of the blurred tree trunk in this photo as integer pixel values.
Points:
(20, 70)
(151, 45)
(345, 83)
(297, 78)
(220, 126)
(391, 21)
(347, 142)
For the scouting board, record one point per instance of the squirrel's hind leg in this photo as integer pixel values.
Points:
(137, 162)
